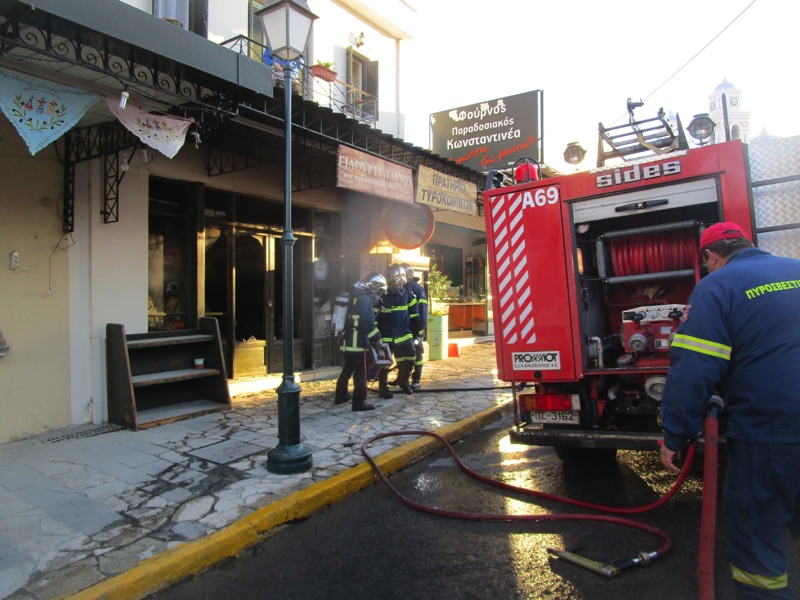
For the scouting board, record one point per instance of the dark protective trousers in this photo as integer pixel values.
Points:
(419, 360)
(355, 366)
(762, 501)
(404, 355)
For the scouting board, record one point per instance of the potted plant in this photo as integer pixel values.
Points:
(438, 289)
(324, 70)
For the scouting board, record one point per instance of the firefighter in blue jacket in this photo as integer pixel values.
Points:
(416, 288)
(360, 331)
(398, 319)
(740, 335)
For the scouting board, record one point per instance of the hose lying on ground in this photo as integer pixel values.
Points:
(609, 570)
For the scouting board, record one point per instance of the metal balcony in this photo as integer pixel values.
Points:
(337, 95)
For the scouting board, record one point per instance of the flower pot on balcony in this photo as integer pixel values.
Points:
(324, 73)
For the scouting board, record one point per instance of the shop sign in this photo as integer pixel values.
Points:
(491, 134)
(362, 172)
(438, 190)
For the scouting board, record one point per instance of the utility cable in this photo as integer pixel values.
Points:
(668, 79)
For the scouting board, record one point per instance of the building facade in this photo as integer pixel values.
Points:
(102, 227)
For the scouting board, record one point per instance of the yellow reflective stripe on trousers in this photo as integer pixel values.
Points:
(696, 344)
(763, 582)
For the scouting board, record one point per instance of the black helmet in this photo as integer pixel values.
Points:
(396, 278)
(374, 284)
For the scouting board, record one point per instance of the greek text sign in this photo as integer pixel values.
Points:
(438, 190)
(356, 170)
(492, 134)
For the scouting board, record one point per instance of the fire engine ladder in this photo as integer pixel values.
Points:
(635, 138)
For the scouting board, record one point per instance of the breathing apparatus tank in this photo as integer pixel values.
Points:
(339, 312)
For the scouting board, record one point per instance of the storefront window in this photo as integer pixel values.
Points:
(167, 285)
(169, 288)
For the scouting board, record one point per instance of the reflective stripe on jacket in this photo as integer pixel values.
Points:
(740, 335)
(396, 313)
(359, 328)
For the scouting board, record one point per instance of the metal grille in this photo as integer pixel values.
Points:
(774, 158)
(775, 173)
(84, 433)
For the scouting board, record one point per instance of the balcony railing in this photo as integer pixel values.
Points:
(337, 95)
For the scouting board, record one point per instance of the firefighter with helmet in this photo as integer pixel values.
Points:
(416, 288)
(398, 320)
(739, 334)
(359, 332)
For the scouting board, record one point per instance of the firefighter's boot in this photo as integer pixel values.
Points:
(383, 385)
(403, 373)
(416, 376)
(359, 406)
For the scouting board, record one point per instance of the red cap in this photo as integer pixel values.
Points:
(727, 230)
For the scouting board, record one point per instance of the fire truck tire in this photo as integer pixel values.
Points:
(585, 455)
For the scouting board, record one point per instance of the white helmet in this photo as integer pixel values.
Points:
(410, 275)
(374, 284)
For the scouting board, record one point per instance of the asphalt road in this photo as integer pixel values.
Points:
(373, 546)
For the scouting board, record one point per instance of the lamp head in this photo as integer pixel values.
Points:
(574, 153)
(287, 27)
(701, 128)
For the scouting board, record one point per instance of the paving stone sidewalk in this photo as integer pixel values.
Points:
(80, 505)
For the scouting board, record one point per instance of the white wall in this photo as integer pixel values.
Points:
(227, 18)
(145, 5)
(335, 30)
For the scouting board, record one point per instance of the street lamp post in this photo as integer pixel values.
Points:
(287, 25)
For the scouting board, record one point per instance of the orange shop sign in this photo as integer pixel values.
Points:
(362, 172)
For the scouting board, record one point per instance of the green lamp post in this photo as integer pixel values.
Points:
(287, 26)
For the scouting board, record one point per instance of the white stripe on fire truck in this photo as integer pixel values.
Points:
(501, 253)
(500, 235)
(503, 260)
(515, 203)
(523, 297)
(500, 221)
(507, 221)
(515, 221)
(517, 243)
(497, 205)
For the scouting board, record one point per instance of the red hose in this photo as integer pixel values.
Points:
(665, 547)
(708, 518)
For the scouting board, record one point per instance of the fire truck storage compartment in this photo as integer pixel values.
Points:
(637, 250)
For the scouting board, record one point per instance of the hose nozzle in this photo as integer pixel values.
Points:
(609, 570)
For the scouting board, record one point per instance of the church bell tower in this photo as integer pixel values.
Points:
(738, 119)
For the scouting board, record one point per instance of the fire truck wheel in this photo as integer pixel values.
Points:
(585, 455)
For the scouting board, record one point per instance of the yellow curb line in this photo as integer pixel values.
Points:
(170, 567)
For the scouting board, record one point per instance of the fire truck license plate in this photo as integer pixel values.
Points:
(558, 416)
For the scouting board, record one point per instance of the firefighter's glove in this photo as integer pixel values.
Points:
(379, 344)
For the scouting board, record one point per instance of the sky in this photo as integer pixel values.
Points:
(589, 56)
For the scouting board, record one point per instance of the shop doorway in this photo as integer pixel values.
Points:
(244, 282)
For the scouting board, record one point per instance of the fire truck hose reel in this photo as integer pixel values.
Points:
(609, 570)
(656, 253)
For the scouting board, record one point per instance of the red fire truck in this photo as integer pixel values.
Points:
(590, 274)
